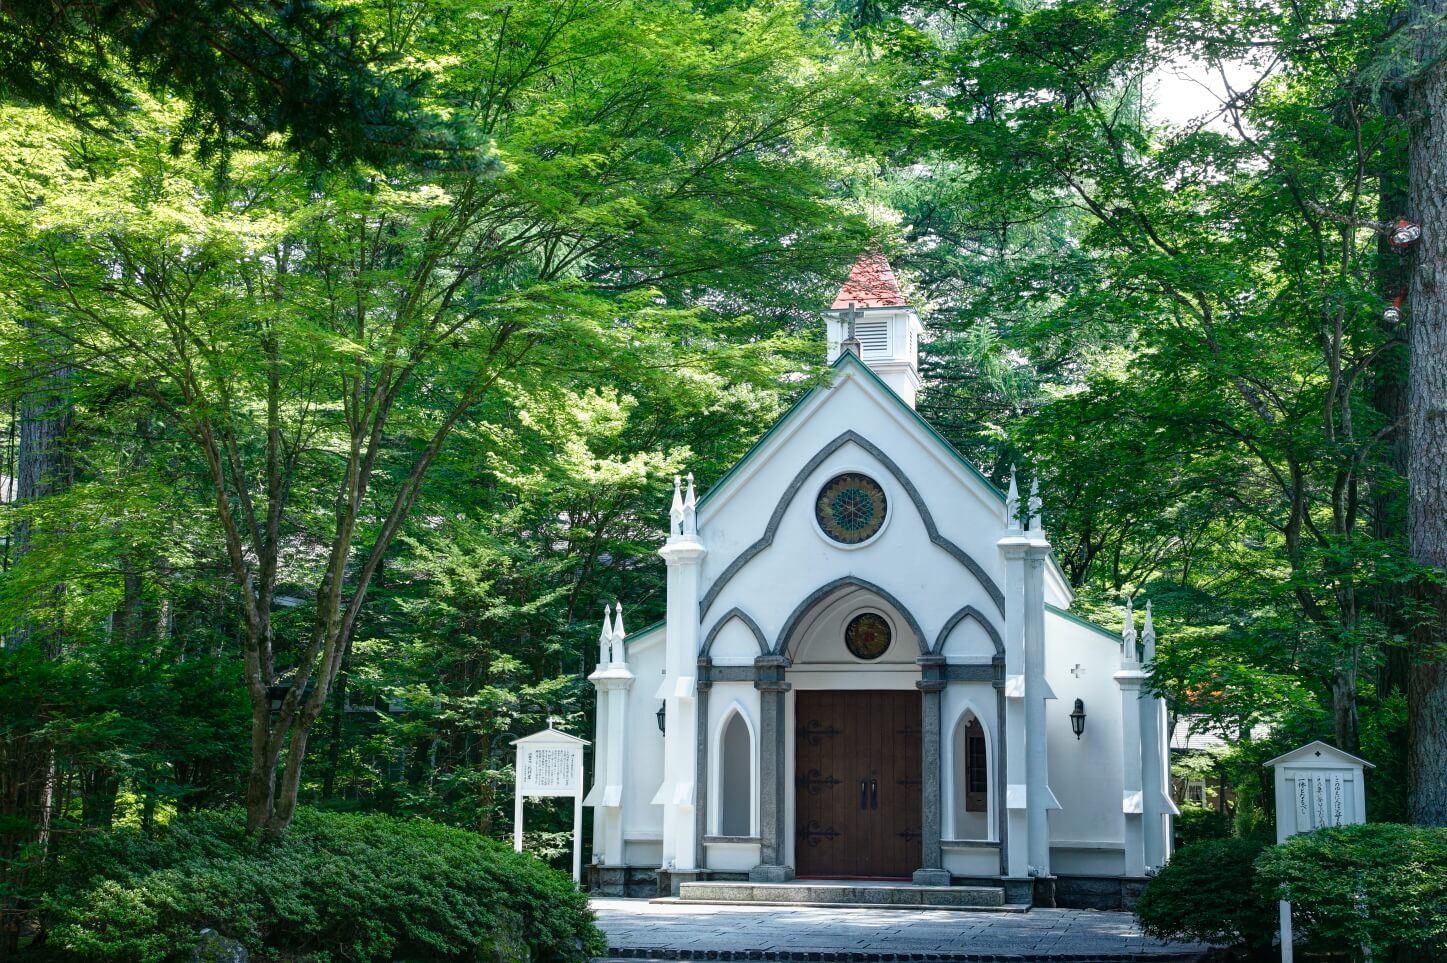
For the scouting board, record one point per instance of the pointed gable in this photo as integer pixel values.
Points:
(871, 284)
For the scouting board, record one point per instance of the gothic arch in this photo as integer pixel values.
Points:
(969, 612)
(770, 530)
(748, 622)
(824, 591)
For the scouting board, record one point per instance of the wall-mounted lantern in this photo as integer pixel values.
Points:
(1077, 718)
(662, 715)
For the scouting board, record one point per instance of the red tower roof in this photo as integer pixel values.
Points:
(871, 284)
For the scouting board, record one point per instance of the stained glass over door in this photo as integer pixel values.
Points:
(867, 636)
(851, 508)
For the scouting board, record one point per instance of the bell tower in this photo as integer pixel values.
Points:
(872, 317)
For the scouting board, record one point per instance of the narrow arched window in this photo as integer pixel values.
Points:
(971, 779)
(736, 775)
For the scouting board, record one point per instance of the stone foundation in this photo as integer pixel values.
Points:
(670, 879)
(1065, 892)
(1098, 892)
(635, 882)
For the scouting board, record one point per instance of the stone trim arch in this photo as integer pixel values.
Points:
(770, 530)
(994, 816)
(716, 767)
(969, 612)
(746, 619)
(824, 591)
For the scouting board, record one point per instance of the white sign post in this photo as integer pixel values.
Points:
(550, 763)
(1317, 785)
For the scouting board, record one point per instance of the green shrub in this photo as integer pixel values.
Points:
(1208, 892)
(1198, 823)
(1380, 886)
(335, 887)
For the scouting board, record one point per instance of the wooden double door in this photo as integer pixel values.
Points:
(857, 784)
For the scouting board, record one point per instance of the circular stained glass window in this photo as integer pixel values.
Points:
(851, 508)
(867, 636)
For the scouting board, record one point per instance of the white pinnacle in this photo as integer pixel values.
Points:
(675, 513)
(605, 638)
(1012, 504)
(1148, 635)
(690, 509)
(1127, 637)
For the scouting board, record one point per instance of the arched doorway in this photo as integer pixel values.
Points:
(857, 736)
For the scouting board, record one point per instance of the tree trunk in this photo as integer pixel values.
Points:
(1427, 418)
(1347, 721)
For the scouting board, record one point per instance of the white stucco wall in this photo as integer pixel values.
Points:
(1087, 835)
(643, 754)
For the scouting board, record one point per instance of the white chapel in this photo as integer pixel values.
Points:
(869, 671)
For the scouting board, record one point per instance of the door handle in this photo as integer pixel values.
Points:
(863, 795)
(874, 794)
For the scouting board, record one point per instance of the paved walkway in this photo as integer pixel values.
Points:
(640, 929)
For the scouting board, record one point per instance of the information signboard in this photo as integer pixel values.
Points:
(550, 763)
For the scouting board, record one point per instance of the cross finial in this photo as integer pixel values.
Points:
(851, 343)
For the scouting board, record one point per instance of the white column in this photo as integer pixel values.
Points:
(612, 679)
(1129, 678)
(1038, 798)
(1156, 805)
(1013, 547)
(684, 554)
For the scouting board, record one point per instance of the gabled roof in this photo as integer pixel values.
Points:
(871, 284)
(551, 735)
(639, 634)
(848, 357)
(1313, 752)
(1083, 622)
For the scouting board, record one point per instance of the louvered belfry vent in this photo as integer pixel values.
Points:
(873, 320)
(873, 335)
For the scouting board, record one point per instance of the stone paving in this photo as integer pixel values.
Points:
(642, 929)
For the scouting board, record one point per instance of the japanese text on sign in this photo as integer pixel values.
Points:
(547, 769)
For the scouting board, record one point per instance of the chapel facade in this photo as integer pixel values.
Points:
(868, 669)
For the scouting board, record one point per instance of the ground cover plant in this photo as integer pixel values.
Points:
(337, 887)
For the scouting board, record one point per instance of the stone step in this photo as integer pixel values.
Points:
(847, 893)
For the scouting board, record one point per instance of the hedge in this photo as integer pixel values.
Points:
(1378, 886)
(1208, 892)
(334, 887)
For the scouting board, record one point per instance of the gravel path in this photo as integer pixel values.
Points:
(643, 929)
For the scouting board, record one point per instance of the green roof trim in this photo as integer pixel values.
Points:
(1071, 616)
(646, 630)
(844, 357)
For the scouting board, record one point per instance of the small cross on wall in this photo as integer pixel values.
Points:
(1077, 670)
